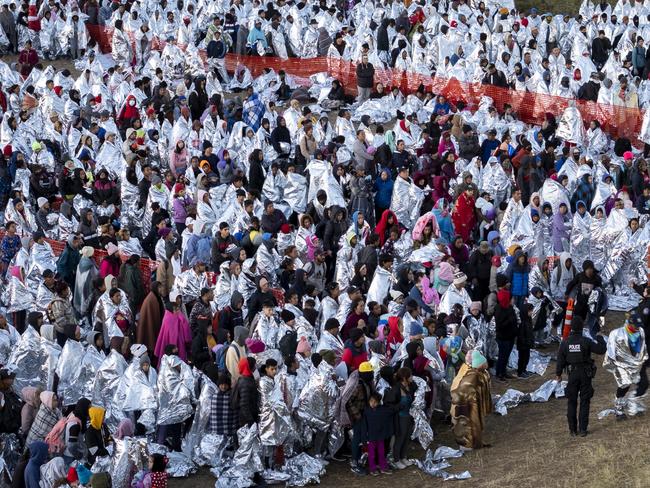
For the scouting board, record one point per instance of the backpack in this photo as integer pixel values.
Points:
(56, 437)
(221, 358)
(49, 313)
(288, 344)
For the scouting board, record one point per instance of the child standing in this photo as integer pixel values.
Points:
(157, 476)
(379, 427)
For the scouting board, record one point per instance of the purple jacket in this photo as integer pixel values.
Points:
(180, 208)
(561, 229)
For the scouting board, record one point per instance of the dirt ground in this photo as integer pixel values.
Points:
(530, 447)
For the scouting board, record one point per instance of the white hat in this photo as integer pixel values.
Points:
(459, 278)
(87, 251)
(111, 248)
(189, 221)
(173, 295)
(138, 350)
(41, 201)
(396, 294)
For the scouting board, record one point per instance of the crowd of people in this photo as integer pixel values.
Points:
(598, 55)
(257, 270)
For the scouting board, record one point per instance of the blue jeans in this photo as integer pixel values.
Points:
(505, 348)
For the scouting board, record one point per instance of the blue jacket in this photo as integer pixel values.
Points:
(417, 296)
(256, 35)
(487, 148)
(384, 191)
(198, 247)
(38, 452)
(518, 276)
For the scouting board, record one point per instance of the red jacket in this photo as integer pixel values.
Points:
(353, 362)
(463, 216)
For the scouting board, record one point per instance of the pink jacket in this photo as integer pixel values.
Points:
(178, 161)
(429, 293)
(422, 223)
(175, 330)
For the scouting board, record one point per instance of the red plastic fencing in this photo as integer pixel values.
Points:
(530, 107)
(146, 265)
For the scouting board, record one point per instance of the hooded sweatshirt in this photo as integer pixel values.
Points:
(37, 457)
(246, 396)
(505, 318)
(232, 316)
(94, 436)
(236, 352)
(561, 276)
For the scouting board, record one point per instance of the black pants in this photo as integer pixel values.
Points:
(579, 385)
(379, 210)
(357, 439)
(61, 339)
(505, 348)
(402, 437)
(524, 357)
(642, 387)
(20, 321)
(171, 432)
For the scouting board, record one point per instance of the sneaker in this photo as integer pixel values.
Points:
(524, 376)
(583, 433)
(500, 379)
(358, 470)
(400, 465)
(407, 462)
(386, 471)
(573, 433)
(336, 458)
(375, 473)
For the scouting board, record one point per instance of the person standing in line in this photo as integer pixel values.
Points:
(365, 79)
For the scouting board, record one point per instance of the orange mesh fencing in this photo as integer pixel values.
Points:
(146, 265)
(530, 107)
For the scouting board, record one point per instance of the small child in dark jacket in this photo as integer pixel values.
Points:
(379, 427)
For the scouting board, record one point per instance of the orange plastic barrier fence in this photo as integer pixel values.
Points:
(146, 265)
(529, 107)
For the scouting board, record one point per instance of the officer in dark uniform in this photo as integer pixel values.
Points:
(643, 311)
(575, 355)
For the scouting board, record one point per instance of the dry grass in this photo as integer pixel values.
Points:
(570, 7)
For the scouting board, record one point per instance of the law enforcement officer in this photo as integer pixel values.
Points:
(575, 355)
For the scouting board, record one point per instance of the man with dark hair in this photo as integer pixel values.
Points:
(368, 255)
(201, 311)
(27, 59)
(495, 77)
(220, 244)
